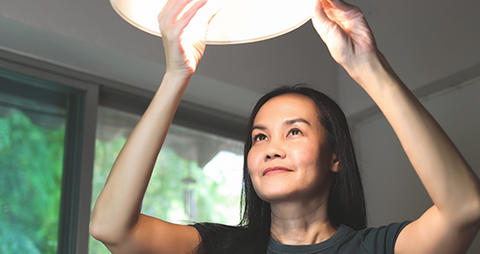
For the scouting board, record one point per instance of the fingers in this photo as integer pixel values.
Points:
(335, 8)
(190, 13)
(327, 15)
(171, 11)
(321, 16)
(341, 13)
(340, 4)
(174, 8)
(322, 22)
(176, 15)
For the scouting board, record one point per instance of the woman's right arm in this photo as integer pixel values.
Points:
(116, 220)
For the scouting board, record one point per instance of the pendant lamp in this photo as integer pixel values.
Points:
(236, 21)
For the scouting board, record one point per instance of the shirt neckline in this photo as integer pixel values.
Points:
(276, 247)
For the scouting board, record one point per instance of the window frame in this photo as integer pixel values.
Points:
(87, 92)
(79, 143)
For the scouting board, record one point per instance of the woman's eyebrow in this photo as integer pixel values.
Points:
(287, 122)
(296, 120)
(260, 127)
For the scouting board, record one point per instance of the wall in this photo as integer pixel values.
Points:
(393, 190)
(424, 41)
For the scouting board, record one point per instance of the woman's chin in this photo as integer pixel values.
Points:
(277, 194)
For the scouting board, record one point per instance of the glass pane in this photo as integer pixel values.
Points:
(31, 161)
(197, 176)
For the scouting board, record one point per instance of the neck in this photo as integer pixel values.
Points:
(301, 222)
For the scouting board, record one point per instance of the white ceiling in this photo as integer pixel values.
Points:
(425, 40)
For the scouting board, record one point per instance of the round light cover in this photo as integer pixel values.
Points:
(236, 21)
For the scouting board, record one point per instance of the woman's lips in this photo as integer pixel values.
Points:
(274, 170)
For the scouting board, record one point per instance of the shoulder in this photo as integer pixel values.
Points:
(377, 239)
(209, 230)
(219, 238)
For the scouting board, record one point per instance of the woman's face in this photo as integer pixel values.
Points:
(289, 158)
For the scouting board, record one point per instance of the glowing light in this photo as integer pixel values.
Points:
(237, 21)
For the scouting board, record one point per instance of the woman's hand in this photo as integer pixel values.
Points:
(184, 43)
(345, 31)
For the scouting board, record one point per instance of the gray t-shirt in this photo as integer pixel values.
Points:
(379, 240)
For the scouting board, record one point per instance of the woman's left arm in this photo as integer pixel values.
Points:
(450, 225)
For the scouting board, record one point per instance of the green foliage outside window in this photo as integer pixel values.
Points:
(164, 198)
(31, 163)
(31, 160)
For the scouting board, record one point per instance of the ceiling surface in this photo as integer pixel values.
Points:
(424, 40)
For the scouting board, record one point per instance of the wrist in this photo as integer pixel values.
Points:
(372, 70)
(177, 76)
(364, 65)
(174, 82)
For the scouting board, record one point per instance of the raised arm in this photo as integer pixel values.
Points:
(450, 225)
(116, 218)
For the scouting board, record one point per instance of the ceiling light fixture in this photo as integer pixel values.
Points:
(237, 21)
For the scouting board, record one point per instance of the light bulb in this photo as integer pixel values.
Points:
(236, 21)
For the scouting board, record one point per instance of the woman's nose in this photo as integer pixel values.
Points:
(274, 152)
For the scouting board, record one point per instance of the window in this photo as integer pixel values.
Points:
(197, 177)
(35, 117)
(49, 117)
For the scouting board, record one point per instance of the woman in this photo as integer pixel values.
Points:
(294, 159)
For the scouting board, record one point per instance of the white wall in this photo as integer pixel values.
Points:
(423, 40)
(393, 190)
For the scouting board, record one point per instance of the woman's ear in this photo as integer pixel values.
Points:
(335, 164)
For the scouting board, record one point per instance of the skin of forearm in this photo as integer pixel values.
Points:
(118, 206)
(452, 185)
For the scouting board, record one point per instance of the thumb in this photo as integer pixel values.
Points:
(208, 14)
(320, 20)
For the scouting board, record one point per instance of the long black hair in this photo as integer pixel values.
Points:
(346, 201)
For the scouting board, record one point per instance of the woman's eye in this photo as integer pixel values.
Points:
(259, 137)
(295, 131)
